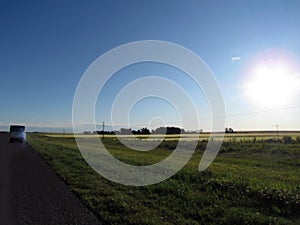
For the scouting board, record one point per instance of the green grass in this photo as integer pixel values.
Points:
(250, 182)
(228, 137)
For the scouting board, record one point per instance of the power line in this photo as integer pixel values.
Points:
(277, 130)
(103, 129)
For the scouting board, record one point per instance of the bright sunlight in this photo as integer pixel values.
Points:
(271, 84)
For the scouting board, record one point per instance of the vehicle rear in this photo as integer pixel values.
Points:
(17, 133)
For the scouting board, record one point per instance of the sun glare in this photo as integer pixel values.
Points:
(271, 84)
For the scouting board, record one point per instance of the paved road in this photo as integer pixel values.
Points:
(31, 193)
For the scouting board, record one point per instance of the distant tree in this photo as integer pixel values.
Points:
(145, 130)
(105, 132)
(135, 132)
(229, 130)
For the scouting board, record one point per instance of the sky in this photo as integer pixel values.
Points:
(252, 47)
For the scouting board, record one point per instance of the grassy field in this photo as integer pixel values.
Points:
(240, 136)
(254, 180)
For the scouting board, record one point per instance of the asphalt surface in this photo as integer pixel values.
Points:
(31, 193)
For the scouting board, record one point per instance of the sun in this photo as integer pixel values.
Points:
(271, 83)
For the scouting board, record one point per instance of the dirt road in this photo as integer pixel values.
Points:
(31, 193)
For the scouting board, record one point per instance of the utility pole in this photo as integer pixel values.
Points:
(103, 129)
(277, 131)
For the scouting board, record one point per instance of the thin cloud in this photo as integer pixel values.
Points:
(235, 59)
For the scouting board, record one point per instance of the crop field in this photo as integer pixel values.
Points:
(241, 136)
(255, 179)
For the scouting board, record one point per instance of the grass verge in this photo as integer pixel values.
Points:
(248, 183)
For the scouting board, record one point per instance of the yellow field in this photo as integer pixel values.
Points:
(203, 136)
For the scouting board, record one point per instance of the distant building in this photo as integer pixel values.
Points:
(194, 131)
(169, 130)
(87, 132)
(125, 131)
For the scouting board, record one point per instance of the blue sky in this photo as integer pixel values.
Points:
(46, 46)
